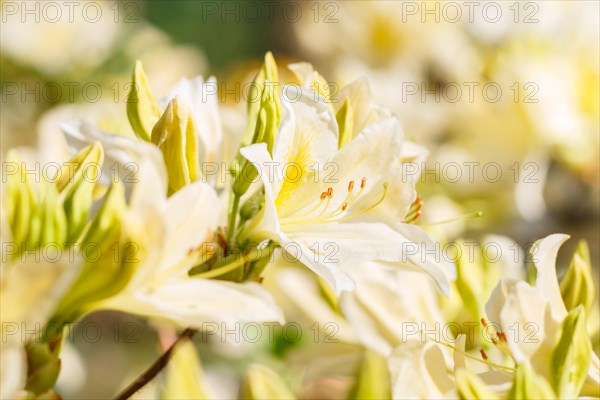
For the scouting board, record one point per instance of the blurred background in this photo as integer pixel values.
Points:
(505, 95)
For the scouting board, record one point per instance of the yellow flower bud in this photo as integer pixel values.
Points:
(577, 286)
(142, 107)
(175, 134)
(373, 380)
(263, 383)
(528, 385)
(470, 386)
(571, 356)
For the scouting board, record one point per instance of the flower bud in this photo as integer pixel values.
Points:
(263, 383)
(43, 367)
(470, 386)
(78, 188)
(345, 120)
(142, 107)
(176, 136)
(571, 355)
(373, 380)
(184, 377)
(577, 285)
(109, 259)
(267, 80)
(528, 385)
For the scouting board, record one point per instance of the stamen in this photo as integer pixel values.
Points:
(464, 217)
(350, 186)
(329, 191)
(361, 212)
(323, 195)
(363, 182)
(344, 206)
(502, 336)
(483, 355)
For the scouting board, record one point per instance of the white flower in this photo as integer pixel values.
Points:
(343, 203)
(168, 232)
(530, 316)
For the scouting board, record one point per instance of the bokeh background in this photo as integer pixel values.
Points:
(504, 94)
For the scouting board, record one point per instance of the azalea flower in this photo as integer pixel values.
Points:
(536, 314)
(169, 235)
(346, 203)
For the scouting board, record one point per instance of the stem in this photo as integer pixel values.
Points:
(232, 218)
(155, 368)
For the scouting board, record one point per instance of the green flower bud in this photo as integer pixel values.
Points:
(176, 136)
(470, 386)
(142, 107)
(470, 281)
(53, 222)
(345, 120)
(184, 377)
(109, 260)
(527, 385)
(571, 355)
(252, 206)
(85, 165)
(19, 202)
(263, 383)
(77, 190)
(267, 80)
(577, 285)
(43, 367)
(373, 380)
(266, 128)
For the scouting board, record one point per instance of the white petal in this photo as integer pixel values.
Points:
(419, 371)
(335, 244)
(191, 214)
(131, 160)
(194, 302)
(308, 133)
(544, 258)
(326, 268)
(270, 175)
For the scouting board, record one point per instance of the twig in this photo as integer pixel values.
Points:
(155, 368)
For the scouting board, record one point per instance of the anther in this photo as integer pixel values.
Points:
(323, 195)
(344, 206)
(350, 186)
(330, 191)
(483, 355)
(502, 336)
(363, 182)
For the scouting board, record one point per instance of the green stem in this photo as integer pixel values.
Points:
(235, 204)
